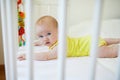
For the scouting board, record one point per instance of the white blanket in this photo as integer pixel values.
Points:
(76, 69)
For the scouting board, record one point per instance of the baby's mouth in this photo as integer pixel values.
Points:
(47, 43)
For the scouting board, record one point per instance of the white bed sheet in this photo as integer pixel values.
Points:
(110, 63)
(76, 69)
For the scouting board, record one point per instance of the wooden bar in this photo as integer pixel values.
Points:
(62, 16)
(95, 38)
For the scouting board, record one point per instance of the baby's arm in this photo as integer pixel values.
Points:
(108, 51)
(49, 55)
(37, 43)
(21, 57)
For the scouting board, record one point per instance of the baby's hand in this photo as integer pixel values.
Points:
(37, 43)
(21, 57)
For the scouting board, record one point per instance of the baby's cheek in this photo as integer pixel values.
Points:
(54, 38)
(42, 42)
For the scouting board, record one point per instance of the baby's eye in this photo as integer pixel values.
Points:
(41, 36)
(48, 33)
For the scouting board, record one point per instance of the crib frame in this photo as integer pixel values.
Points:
(8, 7)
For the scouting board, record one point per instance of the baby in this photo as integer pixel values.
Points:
(47, 33)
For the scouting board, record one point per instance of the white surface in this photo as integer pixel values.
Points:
(76, 69)
(109, 63)
(78, 10)
(62, 12)
(95, 36)
(29, 37)
(110, 28)
(10, 38)
(4, 37)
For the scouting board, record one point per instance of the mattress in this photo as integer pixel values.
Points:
(110, 64)
(77, 68)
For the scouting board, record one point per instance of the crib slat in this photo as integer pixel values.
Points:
(5, 39)
(118, 67)
(95, 36)
(62, 10)
(10, 7)
(28, 28)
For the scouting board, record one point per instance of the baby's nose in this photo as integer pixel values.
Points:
(45, 38)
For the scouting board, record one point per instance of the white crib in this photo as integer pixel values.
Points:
(56, 69)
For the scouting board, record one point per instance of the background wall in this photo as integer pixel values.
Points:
(78, 10)
(1, 45)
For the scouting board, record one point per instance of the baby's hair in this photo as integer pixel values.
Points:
(47, 20)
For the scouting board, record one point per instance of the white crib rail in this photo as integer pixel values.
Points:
(118, 67)
(5, 38)
(29, 38)
(9, 21)
(62, 10)
(95, 36)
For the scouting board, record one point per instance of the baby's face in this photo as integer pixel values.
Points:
(47, 34)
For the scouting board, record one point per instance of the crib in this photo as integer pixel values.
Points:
(82, 68)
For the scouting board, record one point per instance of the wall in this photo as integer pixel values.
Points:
(82, 10)
(78, 10)
(1, 45)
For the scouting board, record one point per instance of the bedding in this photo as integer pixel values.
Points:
(77, 68)
(109, 63)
